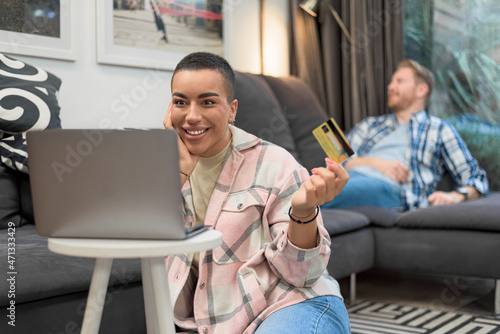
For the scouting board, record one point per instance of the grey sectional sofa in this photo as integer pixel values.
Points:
(462, 239)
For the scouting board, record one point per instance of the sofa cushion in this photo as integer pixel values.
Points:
(259, 111)
(338, 221)
(15, 198)
(9, 198)
(304, 113)
(480, 214)
(378, 216)
(43, 274)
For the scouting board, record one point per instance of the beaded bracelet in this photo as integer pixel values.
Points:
(300, 221)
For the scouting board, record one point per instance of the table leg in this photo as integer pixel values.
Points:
(164, 312)
(149, 297)
(497, 298)
(97, 296)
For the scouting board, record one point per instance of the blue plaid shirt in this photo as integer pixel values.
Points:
(435, 146)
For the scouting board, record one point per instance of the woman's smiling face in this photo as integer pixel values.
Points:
(201, 112)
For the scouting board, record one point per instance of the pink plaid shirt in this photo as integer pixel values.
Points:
(256, 270)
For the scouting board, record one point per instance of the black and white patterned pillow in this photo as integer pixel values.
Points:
(28, 101)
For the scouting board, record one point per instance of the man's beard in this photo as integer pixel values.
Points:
(399, 104)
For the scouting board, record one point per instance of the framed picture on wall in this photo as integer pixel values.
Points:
(44, 28)
(157, 33)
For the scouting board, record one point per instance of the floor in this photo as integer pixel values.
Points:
(446, 293)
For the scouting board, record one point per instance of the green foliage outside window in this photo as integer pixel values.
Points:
(459, 40)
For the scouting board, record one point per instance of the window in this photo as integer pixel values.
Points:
(459, 41)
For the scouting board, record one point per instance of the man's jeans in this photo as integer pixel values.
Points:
(366, 190)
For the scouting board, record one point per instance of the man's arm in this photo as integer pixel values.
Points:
(441, 197)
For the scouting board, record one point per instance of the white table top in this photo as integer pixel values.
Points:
(124, 248)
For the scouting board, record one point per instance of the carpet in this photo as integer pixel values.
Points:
(380, 318)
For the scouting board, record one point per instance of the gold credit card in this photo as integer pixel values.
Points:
(333, 141)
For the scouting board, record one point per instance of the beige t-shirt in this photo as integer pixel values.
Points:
(202, 180)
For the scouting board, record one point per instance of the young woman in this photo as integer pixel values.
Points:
(269, 274)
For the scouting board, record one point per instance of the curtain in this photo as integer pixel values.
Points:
(306, 57)
(350, 80)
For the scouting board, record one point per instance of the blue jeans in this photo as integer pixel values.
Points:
(320, 315)
(366, 190)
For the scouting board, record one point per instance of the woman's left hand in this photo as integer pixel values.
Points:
(187, 161)
(321, 187)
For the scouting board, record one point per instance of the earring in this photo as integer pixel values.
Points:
(232, 120)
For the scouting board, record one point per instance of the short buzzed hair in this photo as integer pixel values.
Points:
(198, 61)
(422, 75)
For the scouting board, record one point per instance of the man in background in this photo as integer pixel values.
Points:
(401, 157)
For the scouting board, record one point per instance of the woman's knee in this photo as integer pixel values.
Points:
(335, 318)
(324, 314)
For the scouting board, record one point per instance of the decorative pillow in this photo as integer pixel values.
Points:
(28, 101)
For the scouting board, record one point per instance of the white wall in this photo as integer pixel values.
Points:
(94, 95)
(276, 39)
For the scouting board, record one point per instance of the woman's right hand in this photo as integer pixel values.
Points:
(187, 161)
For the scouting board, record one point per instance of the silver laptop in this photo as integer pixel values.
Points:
(106, 184)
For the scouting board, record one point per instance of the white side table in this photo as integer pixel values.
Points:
(159, 313)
